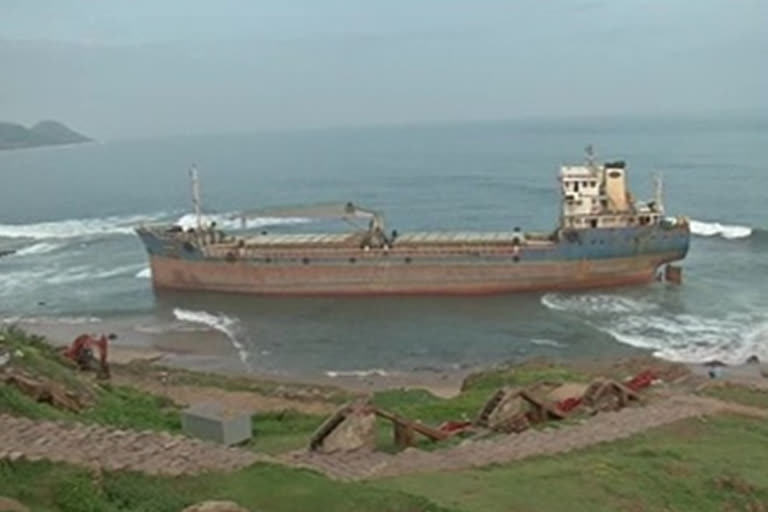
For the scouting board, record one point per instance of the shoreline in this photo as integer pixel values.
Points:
(210, 351)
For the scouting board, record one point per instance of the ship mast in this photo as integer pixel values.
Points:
(196, 196)
(659, 191)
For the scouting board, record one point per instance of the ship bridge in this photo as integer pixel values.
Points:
(597, 196)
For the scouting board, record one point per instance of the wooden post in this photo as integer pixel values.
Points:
(403, 434)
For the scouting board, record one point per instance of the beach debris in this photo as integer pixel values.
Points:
(11, 505)
(216, 506)
(405, 430)
(44, 391)
(608, 395)
(509, 410)
(351, 427)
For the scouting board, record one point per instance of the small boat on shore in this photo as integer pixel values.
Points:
(604, 237)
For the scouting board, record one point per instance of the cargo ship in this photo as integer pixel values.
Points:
(604, 238)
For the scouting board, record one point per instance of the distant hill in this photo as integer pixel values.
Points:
(44, 133)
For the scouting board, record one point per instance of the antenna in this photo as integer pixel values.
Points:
(590, 152)
(196, 196)
(659, 191)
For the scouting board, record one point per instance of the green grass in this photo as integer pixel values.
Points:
(739, 394)
(117, 406)
(521, 376)
(260, 487)
(280, 432)
(692, 465)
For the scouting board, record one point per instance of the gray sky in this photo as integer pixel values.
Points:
(115, 69)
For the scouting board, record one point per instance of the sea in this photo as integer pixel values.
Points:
(70, 213)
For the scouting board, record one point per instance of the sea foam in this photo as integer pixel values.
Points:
(227, 325)
(726, 231)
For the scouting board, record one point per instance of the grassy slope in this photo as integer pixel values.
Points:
(260, 487)
(693, 465)
(739, 394)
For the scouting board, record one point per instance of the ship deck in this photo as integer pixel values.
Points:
(405, 239)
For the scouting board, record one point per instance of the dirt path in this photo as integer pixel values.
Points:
(95, 447)
(239, 400)
(601, 428)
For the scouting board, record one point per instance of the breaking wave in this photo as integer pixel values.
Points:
(687, 338)
(224, 220)
(726, 231)
(39, 248)
(124, 225)
(357, 373)
(227, 325)
(543, 342)
(82, 273)
(695, 339)
(77, 228)
(145, 273)
(602, 303)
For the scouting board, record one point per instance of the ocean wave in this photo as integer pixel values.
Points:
(695, 339)
(84, 273)
(77, 228)
(227, 325)
(225, 221)
(38, 248)
(726, 231)
(10, 282)
(543, 342)
(595, 303)
(689, 338)
(377, 372)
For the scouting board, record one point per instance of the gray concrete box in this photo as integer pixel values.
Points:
(213, 422)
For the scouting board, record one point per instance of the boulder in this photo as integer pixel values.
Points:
(9, 505)
(216, 506)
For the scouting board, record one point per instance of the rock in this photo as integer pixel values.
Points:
(9, 505)
(753, 359)
(216, 506)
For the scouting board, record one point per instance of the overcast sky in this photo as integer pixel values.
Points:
(115, 69)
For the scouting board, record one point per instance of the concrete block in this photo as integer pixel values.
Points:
(214, 422)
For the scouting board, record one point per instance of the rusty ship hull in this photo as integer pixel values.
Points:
(604, 238)
(417, 264)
